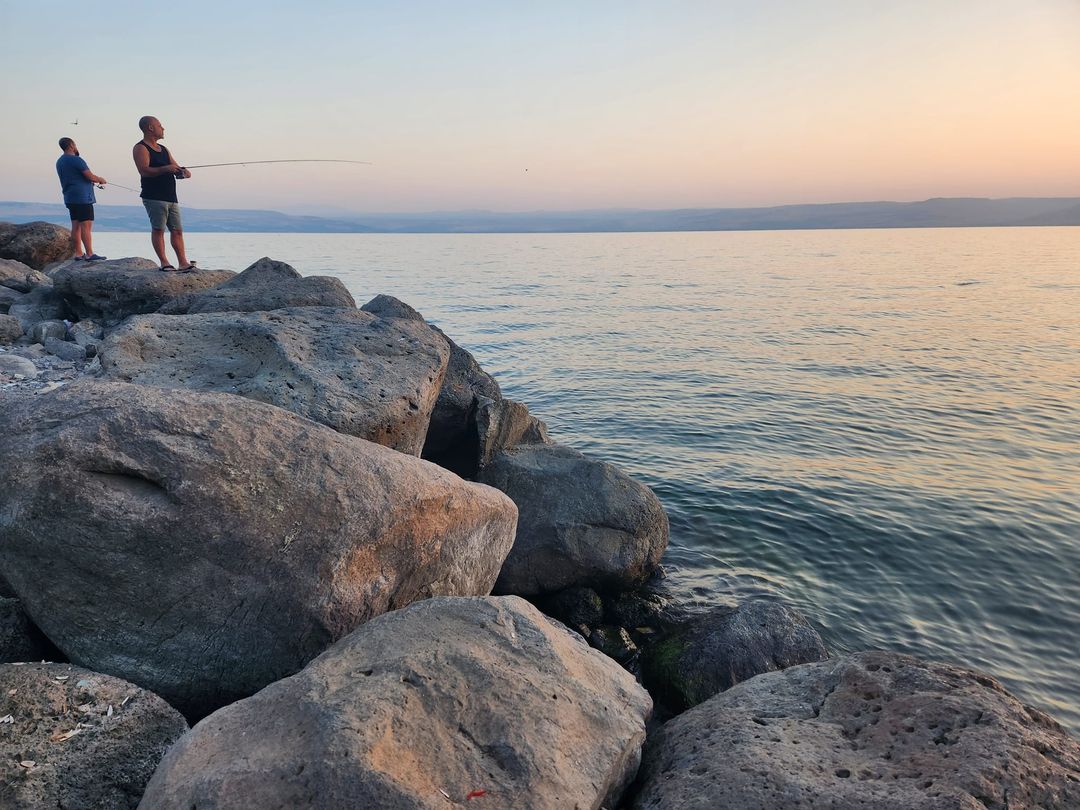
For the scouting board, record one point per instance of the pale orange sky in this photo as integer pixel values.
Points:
(617, 104)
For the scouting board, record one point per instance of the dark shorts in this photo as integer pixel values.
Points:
(81, 212)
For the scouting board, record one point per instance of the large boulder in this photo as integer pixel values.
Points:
(265, 285)
(35, 244)
(581, 522)
(361, 375)
(20, 277)
(717, 650)
(110, 291)
(204, 545)
(429, 707)
(867, 730)
(11, 363)
(452, 440)
(78, 739)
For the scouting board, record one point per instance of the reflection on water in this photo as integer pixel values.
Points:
(881, 426)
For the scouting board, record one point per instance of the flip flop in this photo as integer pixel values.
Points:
(168, 268)
(191, 268)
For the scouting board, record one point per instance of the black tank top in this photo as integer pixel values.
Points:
(162, 187)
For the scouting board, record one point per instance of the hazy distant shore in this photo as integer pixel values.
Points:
(934, 213)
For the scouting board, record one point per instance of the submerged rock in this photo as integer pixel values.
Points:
(35, 244)
(717, 650)
(78, 739)
(581, 522)
(424, 708)
(361, 375)
(870, 729)
(265, 285)
(204, 545)
(112, 290)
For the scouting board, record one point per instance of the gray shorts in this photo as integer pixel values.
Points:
(163, 214)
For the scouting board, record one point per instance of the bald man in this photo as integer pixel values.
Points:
(159, 173)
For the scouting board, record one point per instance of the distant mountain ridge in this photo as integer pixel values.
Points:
(934, 213)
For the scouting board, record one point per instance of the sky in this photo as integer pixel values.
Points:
(554, 105)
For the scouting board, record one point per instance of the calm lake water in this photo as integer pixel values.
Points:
(882, 427)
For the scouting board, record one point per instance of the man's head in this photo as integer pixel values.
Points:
(67, 146)
(151, 126)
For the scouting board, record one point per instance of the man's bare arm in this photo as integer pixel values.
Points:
(93, 178)
(142, 163)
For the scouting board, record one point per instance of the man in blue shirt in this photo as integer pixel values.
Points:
(77, 181)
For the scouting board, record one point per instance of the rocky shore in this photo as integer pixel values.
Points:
(263, 548)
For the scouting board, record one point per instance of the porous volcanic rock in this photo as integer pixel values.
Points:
(361, 375)
(204, 545)
(265, 285)
(427, 707)
(871, 729)
(20, 277)
(35, 244)
(112, 290)
(581, 522)
(717, 650)
(78, 739)
(10, 329)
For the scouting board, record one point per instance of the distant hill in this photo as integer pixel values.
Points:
(935, 213)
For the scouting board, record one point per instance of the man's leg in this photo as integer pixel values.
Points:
(87, 238)
(76, 238)
(177, 240)
(157, 239)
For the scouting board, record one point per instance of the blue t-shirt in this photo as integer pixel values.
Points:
(77, 189)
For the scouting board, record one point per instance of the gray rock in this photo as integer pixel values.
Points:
(63, 349)
(87, 333)
(78, 739)
(418, 709)
(204, 545)
(20, 640)
(361, 375)
(10, 329)
(7, 298)
(386, 306)
(717, 650)
(112, 290)
(574, 606)
(35, 244)
(265, 285)
(18, 277)
(40, 304)
(582, 522)
(35, 351)
(48, 329)
(867, 730)
(504, 424)
(11, 363)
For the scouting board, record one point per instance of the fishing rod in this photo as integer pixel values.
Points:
(125, 188)
(253, 162)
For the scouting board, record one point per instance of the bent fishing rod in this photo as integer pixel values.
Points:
(252, 162)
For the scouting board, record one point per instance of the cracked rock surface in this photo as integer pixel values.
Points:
(868, 730)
